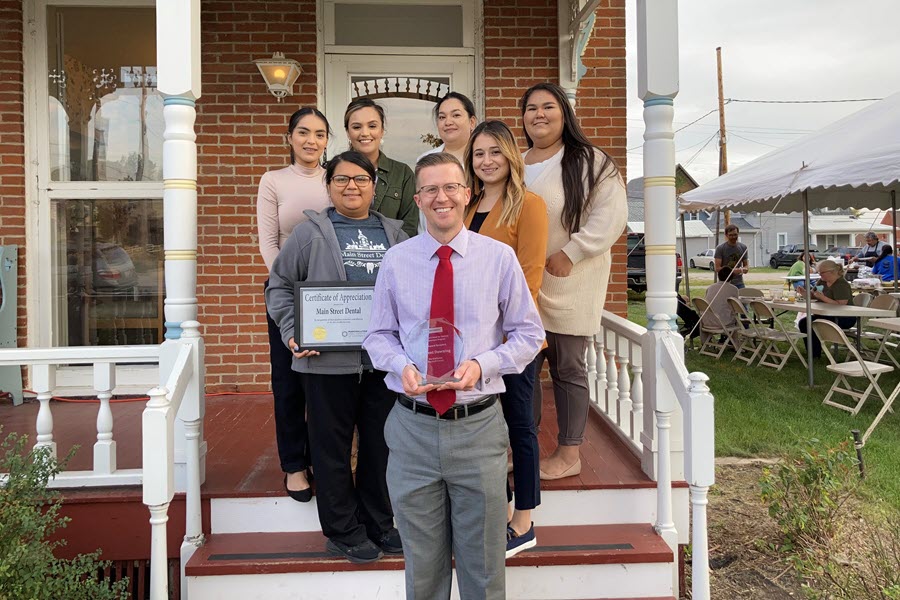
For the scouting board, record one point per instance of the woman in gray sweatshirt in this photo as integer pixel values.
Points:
(343, 391)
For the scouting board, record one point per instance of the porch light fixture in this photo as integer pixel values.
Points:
(280, 74)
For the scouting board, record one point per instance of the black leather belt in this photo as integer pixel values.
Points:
(459, 411)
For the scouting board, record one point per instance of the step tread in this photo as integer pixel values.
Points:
(263, 553)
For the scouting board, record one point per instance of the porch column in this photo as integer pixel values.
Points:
(178, 64)
(657, 28)
(178, 68)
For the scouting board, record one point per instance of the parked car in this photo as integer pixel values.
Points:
(637, 264)
(845, 252)
(788, 255)
(112, 271)
(704, 260)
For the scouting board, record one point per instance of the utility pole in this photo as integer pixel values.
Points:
(723, 153)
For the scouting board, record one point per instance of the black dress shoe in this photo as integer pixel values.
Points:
(365, 552)
(298, 495)
(389, 542)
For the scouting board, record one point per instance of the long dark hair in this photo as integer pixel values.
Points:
(295, 118)
(578, 160)
(350, 156)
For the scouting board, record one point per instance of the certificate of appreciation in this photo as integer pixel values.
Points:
(332, 315)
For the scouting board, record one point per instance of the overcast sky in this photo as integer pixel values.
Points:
(771, 50)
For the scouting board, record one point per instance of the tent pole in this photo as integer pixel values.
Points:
(685, 262)
(894, 240)
(809, 329)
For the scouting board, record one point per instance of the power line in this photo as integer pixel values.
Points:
(677, 150)
(681, 128)
(754, 141)
(806, 101)
(786, 129)
(700, 119)
(697, 153)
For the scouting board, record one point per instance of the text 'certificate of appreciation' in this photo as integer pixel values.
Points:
(332, 315)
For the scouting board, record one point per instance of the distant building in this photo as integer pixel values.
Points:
(697, 234)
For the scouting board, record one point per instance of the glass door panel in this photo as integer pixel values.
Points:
(407, 88)
(110, 275)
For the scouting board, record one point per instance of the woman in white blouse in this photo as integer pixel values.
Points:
(586, 206)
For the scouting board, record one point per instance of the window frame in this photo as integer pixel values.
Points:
(473, 43)
(42, 314)
(468, 41)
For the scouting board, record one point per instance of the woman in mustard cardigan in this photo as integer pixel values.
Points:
(501, 209)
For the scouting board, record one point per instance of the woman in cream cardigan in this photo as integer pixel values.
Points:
(501, 209)
(586, 205)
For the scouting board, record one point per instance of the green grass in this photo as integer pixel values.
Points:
(761, 412)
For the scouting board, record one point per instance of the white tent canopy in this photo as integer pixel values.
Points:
(852, 163)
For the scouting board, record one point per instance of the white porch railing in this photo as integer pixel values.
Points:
(104, 359)
(182, 395)
(642, 407)
(181, 362)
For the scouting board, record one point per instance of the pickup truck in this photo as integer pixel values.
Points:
(788, 255)
(637, 264)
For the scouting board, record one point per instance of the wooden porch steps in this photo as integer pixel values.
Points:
(625, 561)
(243, 501)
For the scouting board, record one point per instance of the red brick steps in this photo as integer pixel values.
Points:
(261, 553)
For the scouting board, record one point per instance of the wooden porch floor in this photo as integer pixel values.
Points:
(242, 460)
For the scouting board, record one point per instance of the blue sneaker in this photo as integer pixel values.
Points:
(515, 542)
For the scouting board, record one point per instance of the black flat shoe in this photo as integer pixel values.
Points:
(298, 495)
(389, 542)
(365, 552)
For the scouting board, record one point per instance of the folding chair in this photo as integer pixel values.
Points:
(772, 356)
(862, 299)
(882, 338)
(711, 346)
(830, 333)
(750, 293)
(751, 336)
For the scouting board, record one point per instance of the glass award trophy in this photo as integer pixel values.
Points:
(436, 348)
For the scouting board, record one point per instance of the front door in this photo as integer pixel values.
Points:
(406, 86)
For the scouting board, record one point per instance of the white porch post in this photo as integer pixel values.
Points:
(178, 64)
(657, 24)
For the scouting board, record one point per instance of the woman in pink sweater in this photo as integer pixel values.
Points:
(283, 196)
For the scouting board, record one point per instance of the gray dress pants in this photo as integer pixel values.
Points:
(568, 371)
(447, 480)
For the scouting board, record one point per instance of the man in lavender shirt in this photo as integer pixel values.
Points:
(446, 474)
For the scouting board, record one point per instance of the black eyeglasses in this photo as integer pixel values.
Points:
(344, 181)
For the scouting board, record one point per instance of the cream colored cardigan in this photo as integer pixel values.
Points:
(573, 305)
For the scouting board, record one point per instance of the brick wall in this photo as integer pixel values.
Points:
(521, 49)
(601, 106)
(240, 128)
(12, 144)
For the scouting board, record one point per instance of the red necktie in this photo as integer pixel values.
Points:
(440, 340)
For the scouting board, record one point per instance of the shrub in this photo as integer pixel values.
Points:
(805, 495)
(868, 569)
(805, 492)
(29, 514)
